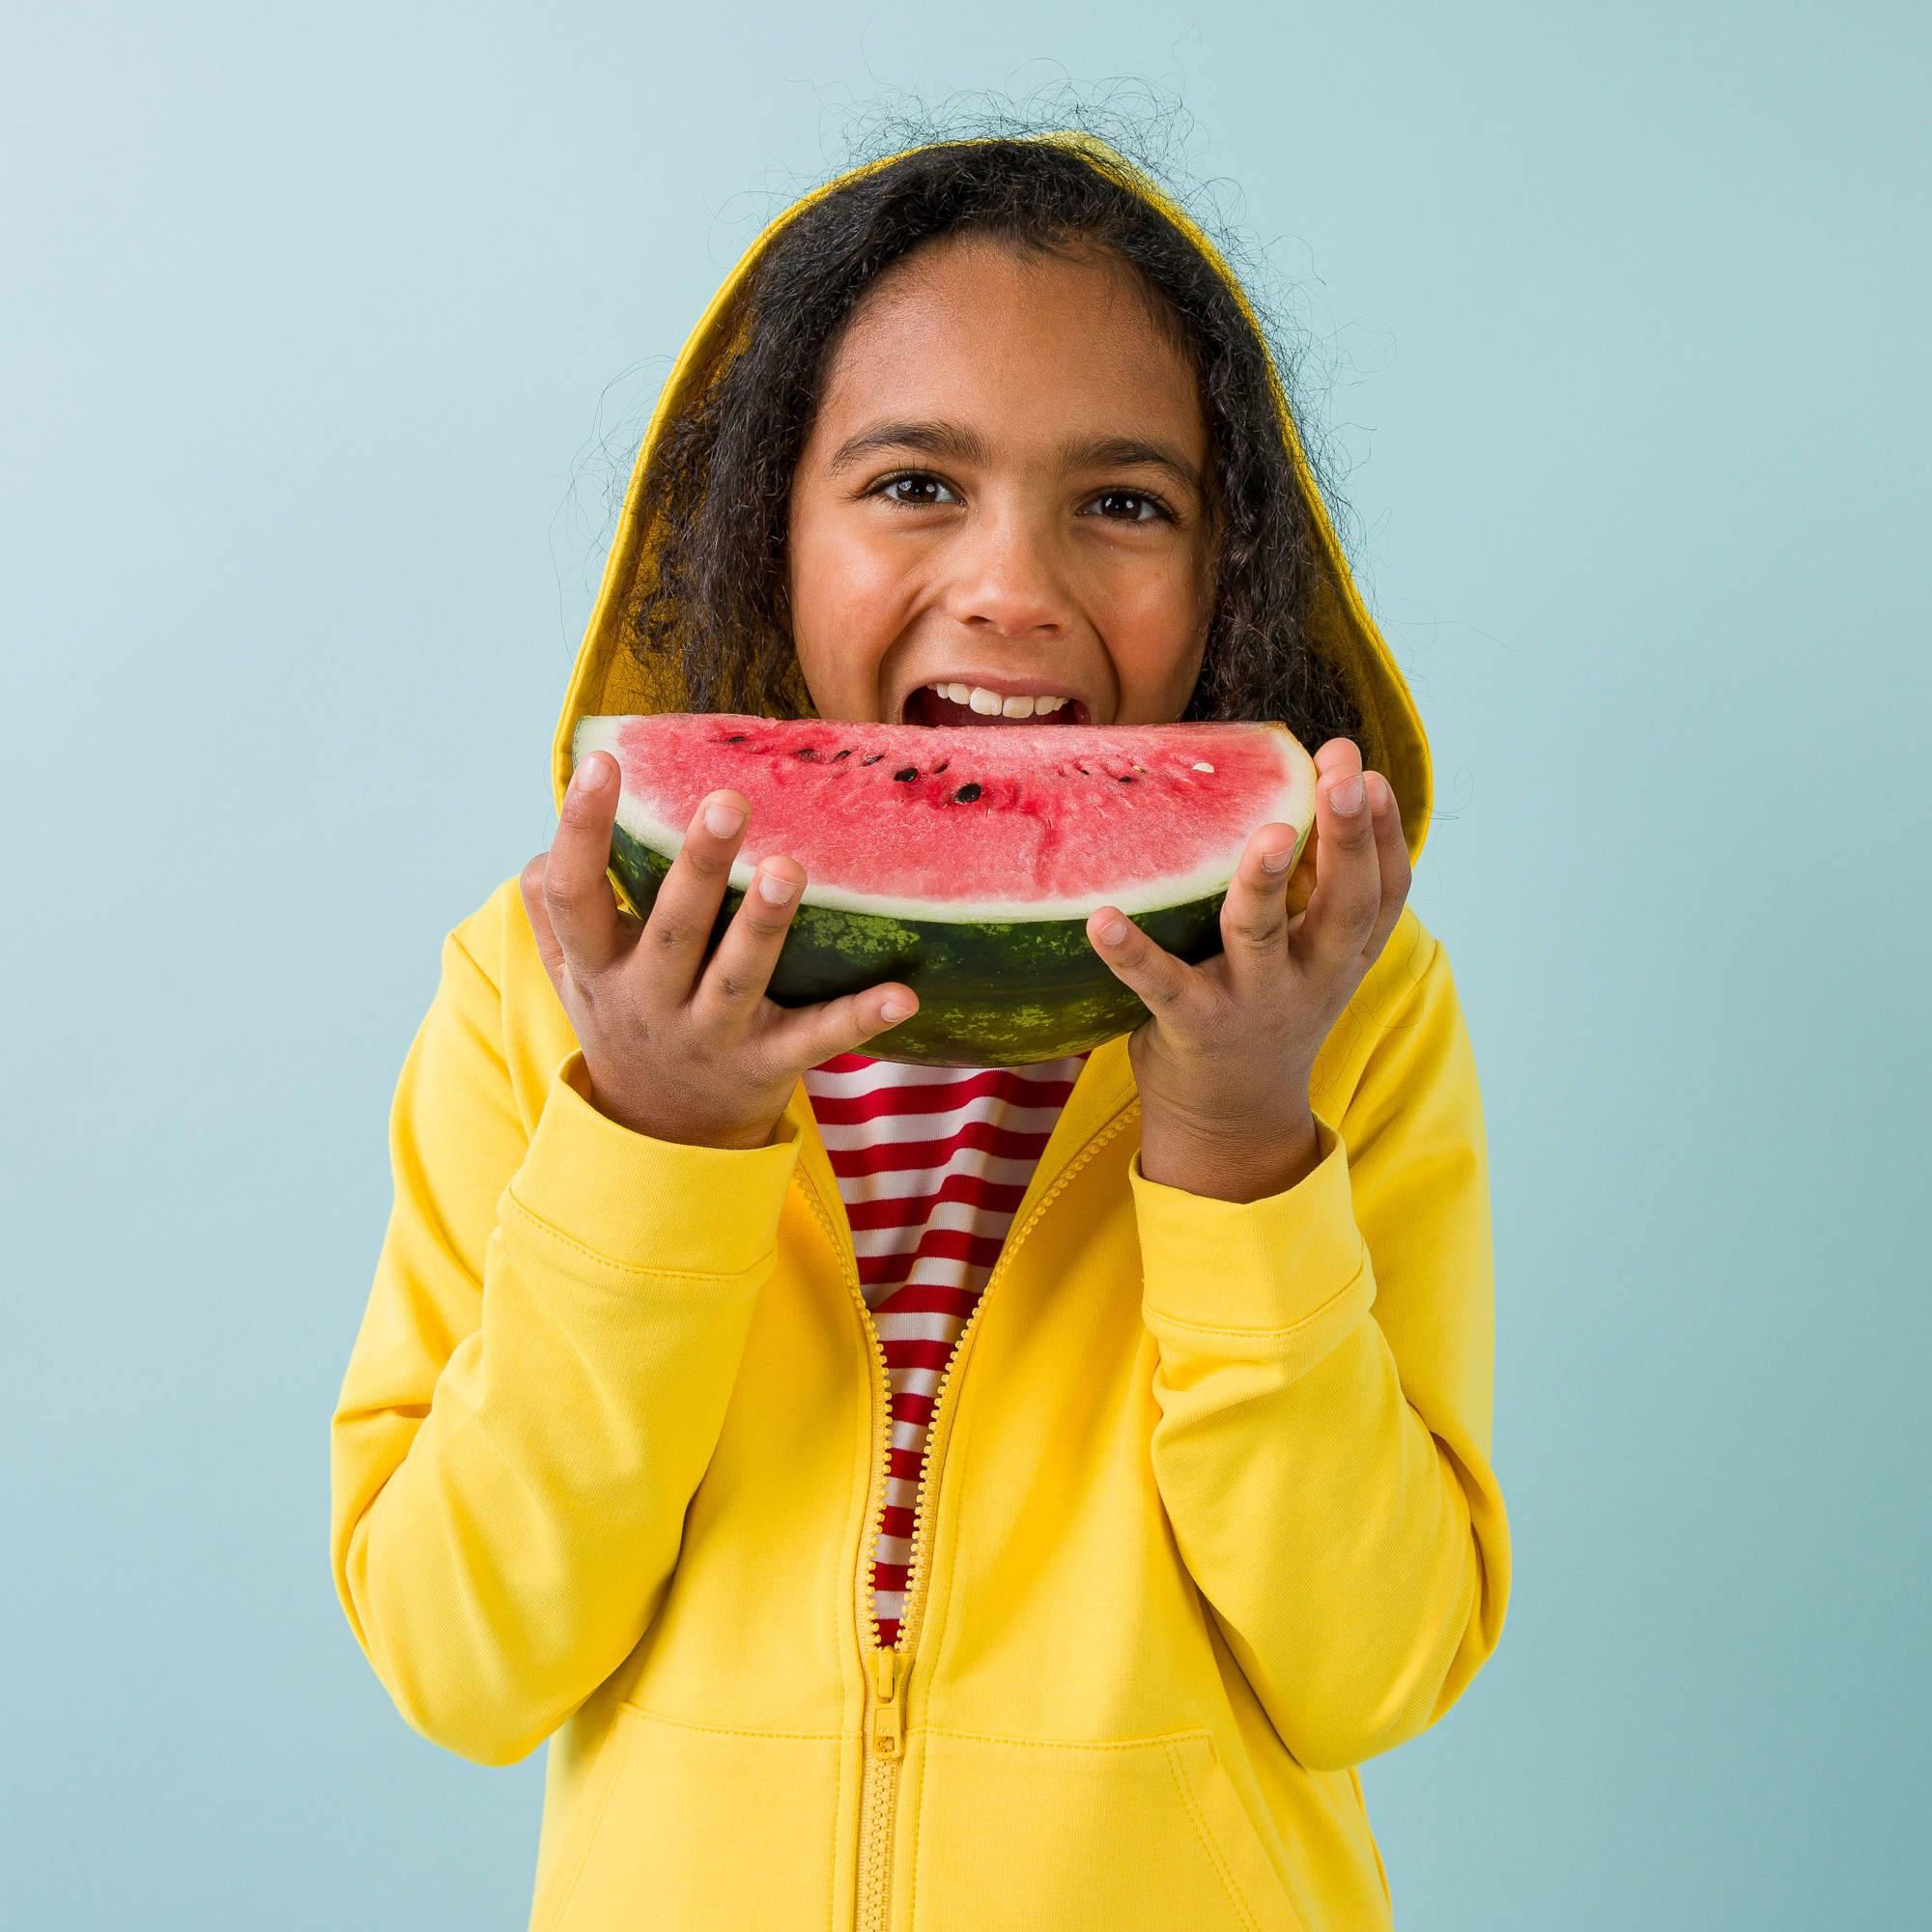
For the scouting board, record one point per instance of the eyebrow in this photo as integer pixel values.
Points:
(953, 440)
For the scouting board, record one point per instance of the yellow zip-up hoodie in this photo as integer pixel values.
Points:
(1209, 1516)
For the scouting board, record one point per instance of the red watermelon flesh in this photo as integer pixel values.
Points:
(1022, 821)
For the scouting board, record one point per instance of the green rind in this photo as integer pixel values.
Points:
(992, 993)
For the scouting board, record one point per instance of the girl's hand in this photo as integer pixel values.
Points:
(1224, 1060)
(676, 1046)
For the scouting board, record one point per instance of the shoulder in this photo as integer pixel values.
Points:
(1409, 976)
(489, 935)
(1406, 963)
(1409, 966)
(498, 941)
(493, 951)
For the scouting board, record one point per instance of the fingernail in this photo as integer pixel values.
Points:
(1274, 862)
(1346, 796)
(590, 773)
(893, 1009)
(721, 820)
(1114, 932)
(775, 890)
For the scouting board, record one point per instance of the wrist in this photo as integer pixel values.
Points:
(1231, 1168)
(657, 1126)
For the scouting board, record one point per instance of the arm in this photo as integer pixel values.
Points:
(538, 1383)
(1324, 1378)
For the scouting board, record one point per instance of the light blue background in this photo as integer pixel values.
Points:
(327, 340)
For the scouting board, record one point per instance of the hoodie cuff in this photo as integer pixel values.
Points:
(1260, 1266)
(645, 1205)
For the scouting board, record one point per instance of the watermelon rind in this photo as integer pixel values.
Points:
(999, 984)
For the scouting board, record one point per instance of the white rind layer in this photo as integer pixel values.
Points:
(1292, 804)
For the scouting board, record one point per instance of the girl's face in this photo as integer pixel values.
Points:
(1004, 486)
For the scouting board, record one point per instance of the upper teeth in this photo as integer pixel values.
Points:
(994, 705)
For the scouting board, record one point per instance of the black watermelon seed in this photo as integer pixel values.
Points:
(737, 737)
(1125, 777)
(846, 753)
(941, 766)
(910, 772)
(806, 751)
(966, 794)
(873, 759)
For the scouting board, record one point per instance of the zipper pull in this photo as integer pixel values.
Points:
(889, 1720)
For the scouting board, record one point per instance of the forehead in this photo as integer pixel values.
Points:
(969, 328)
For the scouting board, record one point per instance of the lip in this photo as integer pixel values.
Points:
(1006, 687)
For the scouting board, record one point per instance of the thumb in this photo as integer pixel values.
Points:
(814, 1035)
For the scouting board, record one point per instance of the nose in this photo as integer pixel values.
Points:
(1005, 578)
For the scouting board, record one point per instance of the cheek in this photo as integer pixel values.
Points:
(845, 583)
(851, 598)
(1156, 623)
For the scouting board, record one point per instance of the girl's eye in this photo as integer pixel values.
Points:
(914, 476)
(1150, 503)
(922, 504)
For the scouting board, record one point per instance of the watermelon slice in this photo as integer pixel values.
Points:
(964, 859)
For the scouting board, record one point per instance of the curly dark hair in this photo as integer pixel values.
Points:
(712, 594)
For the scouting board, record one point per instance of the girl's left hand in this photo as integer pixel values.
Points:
(1224, 1060)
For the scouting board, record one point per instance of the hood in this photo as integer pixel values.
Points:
(607, 680)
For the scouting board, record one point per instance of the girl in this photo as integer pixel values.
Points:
(911, 1497)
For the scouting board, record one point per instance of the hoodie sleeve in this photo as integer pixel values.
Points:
(538, 1383)
(1324, 1379)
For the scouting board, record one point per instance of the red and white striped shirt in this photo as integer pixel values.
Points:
(931, 1162)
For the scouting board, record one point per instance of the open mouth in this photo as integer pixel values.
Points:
(927, 707)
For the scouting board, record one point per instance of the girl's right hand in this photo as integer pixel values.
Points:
(677, 1046)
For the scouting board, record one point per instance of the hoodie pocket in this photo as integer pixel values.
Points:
(1139, 1836)
(701, 1826)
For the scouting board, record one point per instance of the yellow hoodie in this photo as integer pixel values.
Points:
(1210, 1514)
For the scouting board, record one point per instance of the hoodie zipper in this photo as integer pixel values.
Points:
(886, 1666)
